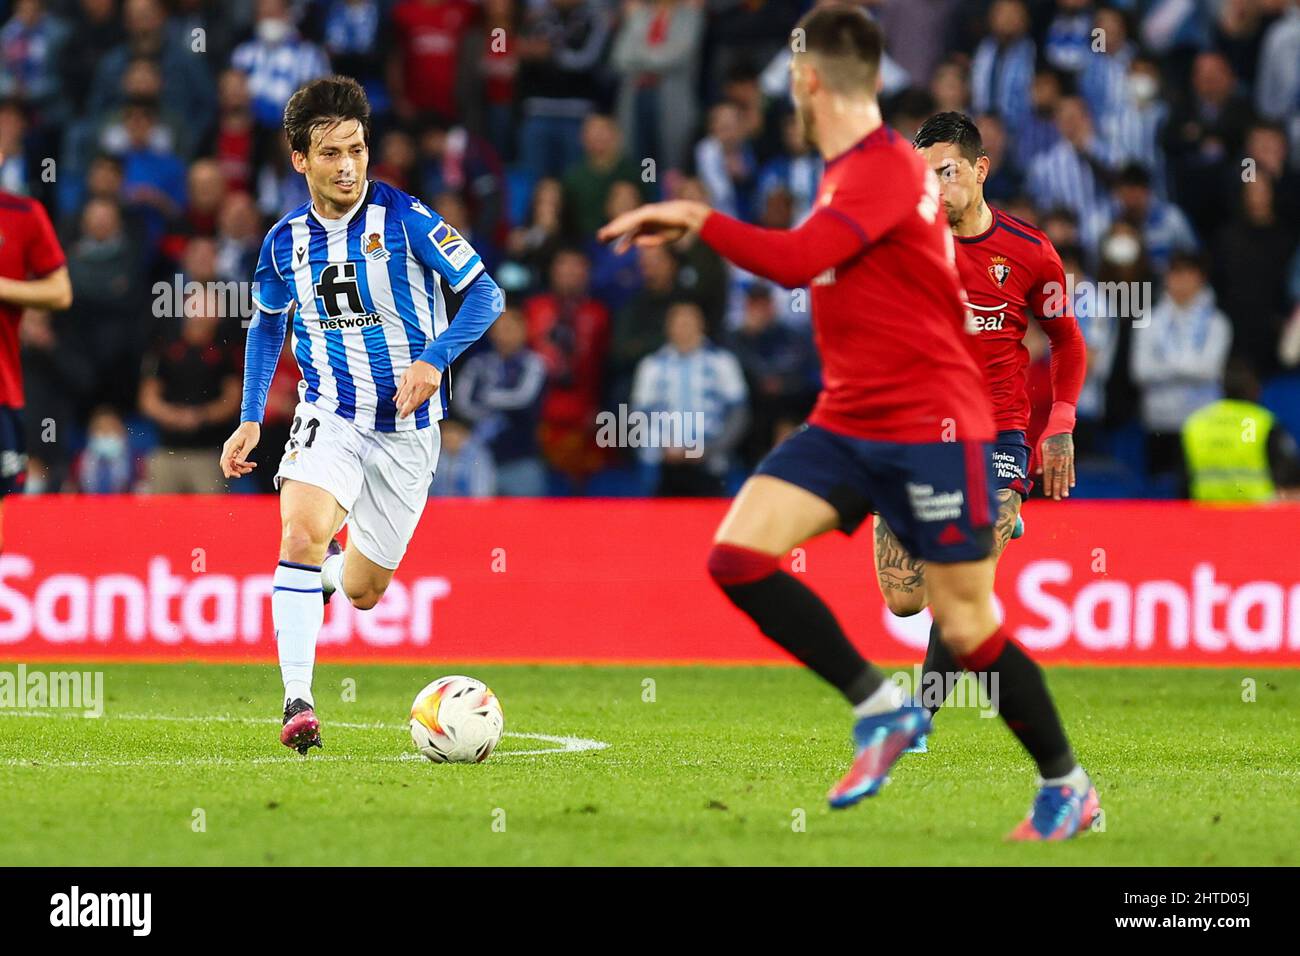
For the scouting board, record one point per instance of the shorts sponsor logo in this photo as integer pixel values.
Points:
(931, 505)
(1006, 465)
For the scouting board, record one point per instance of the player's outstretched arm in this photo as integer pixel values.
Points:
(789, 257)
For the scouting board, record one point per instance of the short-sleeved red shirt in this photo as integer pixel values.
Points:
(898, 363)
(28, 250)
(1009, 271)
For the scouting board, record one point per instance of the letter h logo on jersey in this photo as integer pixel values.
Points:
(338, 280)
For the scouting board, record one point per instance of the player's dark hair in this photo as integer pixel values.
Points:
(1240, 381)
(848, 43)
(952, 127)
(324, 103)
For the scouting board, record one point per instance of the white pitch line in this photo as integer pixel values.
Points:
(566, 744)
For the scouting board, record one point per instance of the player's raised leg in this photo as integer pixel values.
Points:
(309, 516)
(770, 516)
(961, 599)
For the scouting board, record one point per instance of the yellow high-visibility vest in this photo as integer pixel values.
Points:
(1226, 444)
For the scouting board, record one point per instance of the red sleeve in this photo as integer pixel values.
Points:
(43, 253)
(789, 257)
(1052, 306)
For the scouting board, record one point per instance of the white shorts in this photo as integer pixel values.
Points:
(380, 478)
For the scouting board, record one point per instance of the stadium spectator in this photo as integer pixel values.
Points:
(950, 88)
(703, 274)
(1135, 122)
(31, 50)
(531, 244)
(106, 466)
(500, 393)
(1251, 258)
(190, 388)
(1206, 131)
(742, 35)
(189, 88)
(1277, 83)
(1068, 43)
(779, 365)
(232, 143)
(109, 302)
(797, 170)
(1072, 173)
(657, 55)
(1100, 334)
(58, 379)
(487, 76)
(1178, 359)
(15, 163)
(560, 53)
(454, 161)
(615, 277)
(639, 326)
(699, 390)
(587, 183)
(570, 331)
(1005, 180)
(276, 61)
(353, 32)
(1107, 54)
(1003, 68)
(239, 237)
(94, 28)
(1234, 448)
(725, 163)
(465, 467)
(1038, 132)
(1165, 230)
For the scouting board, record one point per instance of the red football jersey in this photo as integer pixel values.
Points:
(1010, 270)
(898, 363)
(28, 250)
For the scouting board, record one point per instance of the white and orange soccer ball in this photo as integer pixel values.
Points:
(456, 720)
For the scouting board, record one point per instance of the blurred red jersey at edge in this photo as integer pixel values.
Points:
(888, 312)
(28, 250)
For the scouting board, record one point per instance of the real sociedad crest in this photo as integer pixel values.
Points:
(375, 247)
(1000, 270)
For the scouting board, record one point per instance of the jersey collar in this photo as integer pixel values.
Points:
(348, 218)
(993, 224)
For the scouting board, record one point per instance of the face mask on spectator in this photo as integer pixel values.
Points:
(107, 446)
(272, 31)
(1142, 87)
(1121, 250)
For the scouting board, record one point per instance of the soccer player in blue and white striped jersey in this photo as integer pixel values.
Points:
(359, 274)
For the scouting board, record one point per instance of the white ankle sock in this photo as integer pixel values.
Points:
(297, 612)
(888, 696)
(331, 574)
(1076, 779)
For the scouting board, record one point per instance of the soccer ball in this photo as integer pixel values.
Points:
(456, 720)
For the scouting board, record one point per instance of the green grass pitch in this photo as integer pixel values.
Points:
(725, 766)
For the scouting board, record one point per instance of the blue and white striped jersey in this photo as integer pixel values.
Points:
(368, 299)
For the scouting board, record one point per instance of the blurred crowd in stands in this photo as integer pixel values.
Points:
(1156, 141)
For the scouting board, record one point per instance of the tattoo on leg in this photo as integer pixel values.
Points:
(1008, 512)
(895, 568)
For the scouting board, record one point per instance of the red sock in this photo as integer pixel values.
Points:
(982, 658)
(731, 564)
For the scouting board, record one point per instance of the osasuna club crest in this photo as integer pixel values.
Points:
(1000, 270)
